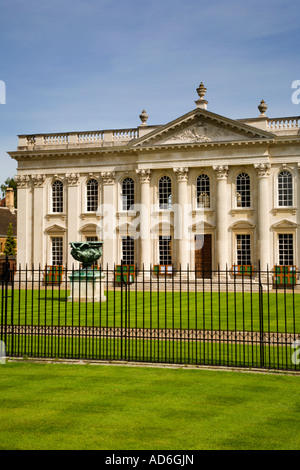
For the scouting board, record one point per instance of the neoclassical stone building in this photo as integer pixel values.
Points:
(203, 190)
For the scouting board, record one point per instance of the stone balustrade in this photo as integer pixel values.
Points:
(284, 124)
(65, 140)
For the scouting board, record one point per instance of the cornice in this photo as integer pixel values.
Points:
(70, 153)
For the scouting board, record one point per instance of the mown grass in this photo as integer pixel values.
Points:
(129, 348)
(55, 406)
(216, 311)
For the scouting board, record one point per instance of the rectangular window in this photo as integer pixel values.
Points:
(286, 249)
(165, 255)
(57, 251)
(243, 249)
(91, 239)
(128, 250)
(92, 196)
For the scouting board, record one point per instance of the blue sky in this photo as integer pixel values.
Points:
(71, 65)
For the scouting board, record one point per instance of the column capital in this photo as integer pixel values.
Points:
(221, 171)
(72, 179)
(22, 181)
(181, 173)
(108, 177)
(263, 169)
(38, 181)
(145, 175)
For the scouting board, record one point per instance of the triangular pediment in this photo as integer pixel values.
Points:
(55, 229)
(202, 126)
(285, 224)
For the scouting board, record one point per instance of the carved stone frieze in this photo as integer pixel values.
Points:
(202, 131)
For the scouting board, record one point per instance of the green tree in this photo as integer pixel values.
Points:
(10, 244)
(9, 183)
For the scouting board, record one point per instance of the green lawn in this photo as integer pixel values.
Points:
(281, 312)
(55, 406)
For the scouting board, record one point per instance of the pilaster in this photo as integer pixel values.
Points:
(222, 217)
(72, 180)
(108, 220)
(183, 242)
(263, 209)
(145, 239)
(38, 184)
(24, 221)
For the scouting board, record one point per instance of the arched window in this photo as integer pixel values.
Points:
(92, 195)
(203, 191)
(127, 193)
(165, 193)
(57, 196)
(243, 190)
(285, 188)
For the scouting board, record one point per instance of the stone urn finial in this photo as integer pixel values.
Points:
(262, 107)
(201, 90)
(201, 102)
(143, 117)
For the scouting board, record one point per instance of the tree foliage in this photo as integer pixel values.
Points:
(10, 244)
(10, 183)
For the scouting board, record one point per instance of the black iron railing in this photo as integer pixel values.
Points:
(220, 319)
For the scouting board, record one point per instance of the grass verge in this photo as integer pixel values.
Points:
(56, 406)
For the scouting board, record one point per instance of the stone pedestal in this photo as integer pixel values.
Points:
(87, 286)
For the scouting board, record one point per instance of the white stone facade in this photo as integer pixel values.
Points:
(247, 202)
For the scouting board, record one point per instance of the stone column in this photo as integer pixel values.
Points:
(24, 242)
(145, 234)
(72, 215)
(181, 218)
(38, 184)
(222, 218)
(263, 238)
(108, 222)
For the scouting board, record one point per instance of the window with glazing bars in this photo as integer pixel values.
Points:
(243, 249)
(128, 250)
(285, 188)
(243, 190)
(57, 251)
(127, 194)
(203, 191)
(165, 255)
(92, 196)
(165, 193)
(91, 239)
(286, 249)
(57, 197)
